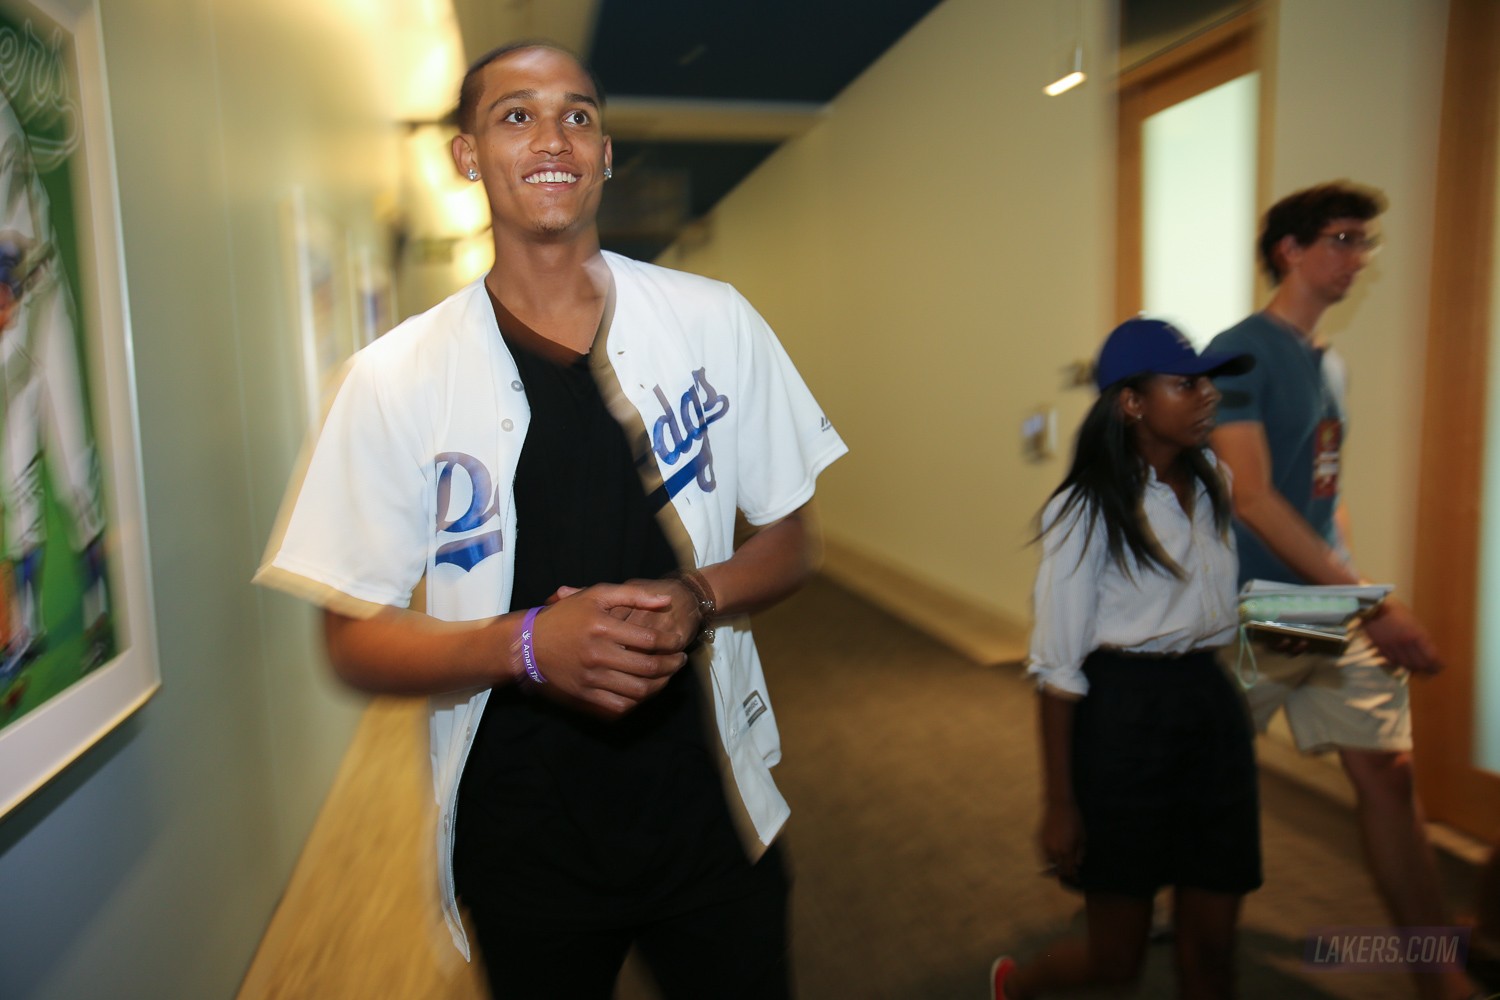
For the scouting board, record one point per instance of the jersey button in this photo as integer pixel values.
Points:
(507, 424)
(516, 385)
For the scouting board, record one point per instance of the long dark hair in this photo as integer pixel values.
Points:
(1107, 482)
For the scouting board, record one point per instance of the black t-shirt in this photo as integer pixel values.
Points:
(560, 813)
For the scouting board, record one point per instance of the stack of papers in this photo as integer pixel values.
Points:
(1318, 613)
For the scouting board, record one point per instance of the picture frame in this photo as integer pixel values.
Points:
(317, 251)
(374, 293)
(78, 651)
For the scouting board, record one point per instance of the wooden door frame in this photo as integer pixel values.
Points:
(1450, 498)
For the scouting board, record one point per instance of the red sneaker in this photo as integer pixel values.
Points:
(999, 972)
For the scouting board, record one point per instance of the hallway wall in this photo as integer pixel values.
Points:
(150, 868)
(934, 255)
(941, 247)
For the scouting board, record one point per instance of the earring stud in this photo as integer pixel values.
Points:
(608, 173)
(473, 174)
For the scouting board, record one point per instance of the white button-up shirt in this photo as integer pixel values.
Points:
(1084, 601)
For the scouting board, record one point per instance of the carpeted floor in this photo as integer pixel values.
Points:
(913, 779)
(912, 776)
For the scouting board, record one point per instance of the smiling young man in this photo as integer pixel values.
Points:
(575, 420)
(1281, 430)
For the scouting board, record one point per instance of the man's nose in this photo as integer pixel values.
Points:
(551, 137)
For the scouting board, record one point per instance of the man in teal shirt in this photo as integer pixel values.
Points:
(1281, 431)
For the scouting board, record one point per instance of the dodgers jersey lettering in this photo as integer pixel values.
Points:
(484, 506)
(673, 436)
(700, 406)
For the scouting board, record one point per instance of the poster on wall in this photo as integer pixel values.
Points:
(316, 248)
(374, 293)
(77, 653)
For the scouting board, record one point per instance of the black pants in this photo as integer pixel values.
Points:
(726, 949)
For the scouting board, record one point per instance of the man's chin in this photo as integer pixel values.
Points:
(554, 227)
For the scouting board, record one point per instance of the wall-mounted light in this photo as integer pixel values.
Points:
(1070, 79)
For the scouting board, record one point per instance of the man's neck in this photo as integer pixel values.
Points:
(557, 289)
(1297, 311)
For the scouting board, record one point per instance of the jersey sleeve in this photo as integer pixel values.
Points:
(353, 532)
(783, 438)
(1065, 599)
(1242, 396)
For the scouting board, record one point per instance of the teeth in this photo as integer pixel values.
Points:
(551, 177)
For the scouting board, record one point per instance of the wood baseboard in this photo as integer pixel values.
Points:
(979, 633)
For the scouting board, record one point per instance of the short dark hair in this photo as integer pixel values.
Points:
(1303, 215)
(471, 89)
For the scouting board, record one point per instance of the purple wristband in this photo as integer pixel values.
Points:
(528, 652)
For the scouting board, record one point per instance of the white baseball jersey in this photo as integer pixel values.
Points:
(41, 387)
(411, 477)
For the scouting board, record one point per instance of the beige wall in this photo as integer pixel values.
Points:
(940, 248)
(933, 255)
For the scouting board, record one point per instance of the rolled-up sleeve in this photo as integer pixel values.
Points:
(1066, 598)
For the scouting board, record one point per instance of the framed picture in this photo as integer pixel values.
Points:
(374, 294)
(77, 643)
(317, 248)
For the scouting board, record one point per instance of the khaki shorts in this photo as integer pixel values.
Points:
(1353, 700)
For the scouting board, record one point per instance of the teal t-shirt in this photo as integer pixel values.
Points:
(1296, 393)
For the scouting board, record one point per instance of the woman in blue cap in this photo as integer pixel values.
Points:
(1146, 744)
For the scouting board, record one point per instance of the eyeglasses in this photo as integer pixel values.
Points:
(1352, 241)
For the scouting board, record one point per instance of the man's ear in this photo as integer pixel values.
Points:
(464, 156)
(1288, 252)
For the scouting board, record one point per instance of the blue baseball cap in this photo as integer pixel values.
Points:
(1144, 346)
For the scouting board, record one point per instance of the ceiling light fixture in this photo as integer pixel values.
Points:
(1070, 79)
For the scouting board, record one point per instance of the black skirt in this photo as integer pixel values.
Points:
(1164, 777)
